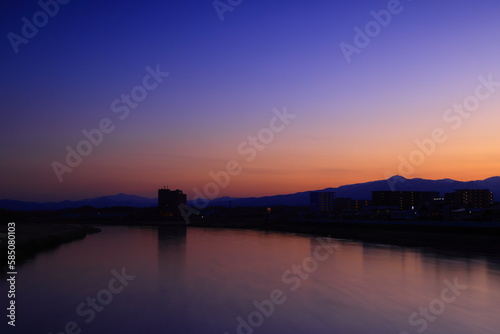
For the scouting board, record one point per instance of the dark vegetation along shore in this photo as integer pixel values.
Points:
(35, 237)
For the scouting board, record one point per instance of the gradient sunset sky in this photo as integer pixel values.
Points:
(353, 120)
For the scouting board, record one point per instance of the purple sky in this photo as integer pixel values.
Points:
(354, 120)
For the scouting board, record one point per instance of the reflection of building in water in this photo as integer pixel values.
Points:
(172, 276)
(171, 251)
(169, 201)
(337, 259)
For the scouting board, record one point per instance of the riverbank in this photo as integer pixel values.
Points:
(34, 238)
(480, 239)
(458, 237)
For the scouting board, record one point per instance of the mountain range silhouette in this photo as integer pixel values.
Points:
(354, 191)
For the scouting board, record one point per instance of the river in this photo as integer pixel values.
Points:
(195, 280)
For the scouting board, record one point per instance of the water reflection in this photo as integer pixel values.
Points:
(172, 279)
(216, 281)
(172, 255)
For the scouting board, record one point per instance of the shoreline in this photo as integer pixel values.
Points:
(438, 239)
(440, 236)
(33, 238)
(37, 236)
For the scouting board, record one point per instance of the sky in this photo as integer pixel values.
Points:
(244, 98)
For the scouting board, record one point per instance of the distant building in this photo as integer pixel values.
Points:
(342, 204)
(404, 200)
(361, 203)
(493, 213)
(169, 201)
(322, 202)
(470, 198)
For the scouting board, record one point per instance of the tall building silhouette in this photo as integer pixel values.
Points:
(404, 200)
(322, 201)
(470, 198)
(169, 201)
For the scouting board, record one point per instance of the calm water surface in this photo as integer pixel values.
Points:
(218, 281)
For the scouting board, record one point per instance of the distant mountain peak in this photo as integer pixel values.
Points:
(447, 180)
(397, 178)
(122, 195)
